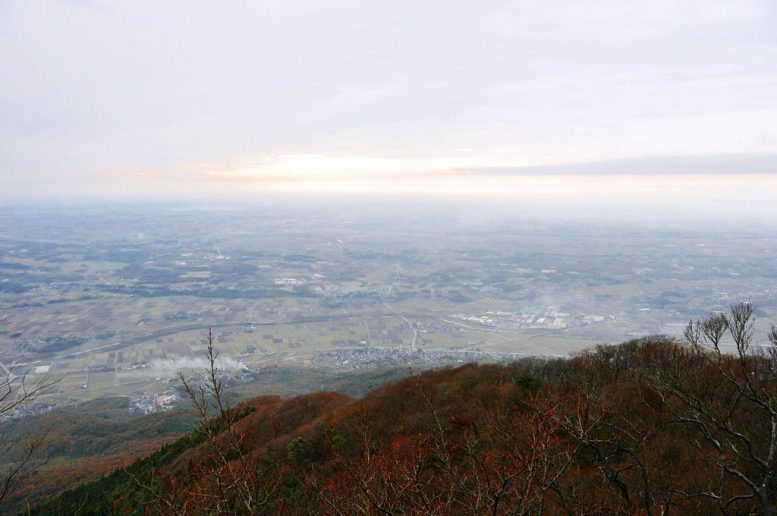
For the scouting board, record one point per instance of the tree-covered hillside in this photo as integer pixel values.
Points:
(651, 426)
(83, 442)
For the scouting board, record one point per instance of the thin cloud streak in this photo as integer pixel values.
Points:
(719, 164)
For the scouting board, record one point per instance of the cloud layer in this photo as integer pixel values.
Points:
(168, 98)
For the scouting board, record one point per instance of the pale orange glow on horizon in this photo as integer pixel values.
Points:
(316, 175)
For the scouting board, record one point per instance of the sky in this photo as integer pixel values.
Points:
(529, 100)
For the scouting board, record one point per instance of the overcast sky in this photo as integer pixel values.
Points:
(156, 99)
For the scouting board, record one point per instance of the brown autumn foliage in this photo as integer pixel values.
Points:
(651, 426)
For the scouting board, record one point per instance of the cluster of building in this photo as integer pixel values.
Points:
(378, 358)
(150, 403)
(26, 410)
(288, 282)
(531, 317)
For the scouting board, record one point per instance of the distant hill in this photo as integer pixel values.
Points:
(646, 427)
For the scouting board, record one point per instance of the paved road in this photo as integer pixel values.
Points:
(412, 326)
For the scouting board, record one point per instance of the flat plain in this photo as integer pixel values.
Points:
(119, 301)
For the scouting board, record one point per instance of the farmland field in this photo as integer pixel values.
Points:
(120, 302)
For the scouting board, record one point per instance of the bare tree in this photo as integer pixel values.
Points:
(226, 482)
(729, 401)
(15, 392)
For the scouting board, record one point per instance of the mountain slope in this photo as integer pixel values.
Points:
(86, 441)
(648, 426)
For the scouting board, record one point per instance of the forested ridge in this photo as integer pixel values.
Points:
(650, 426)
(80, 443)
